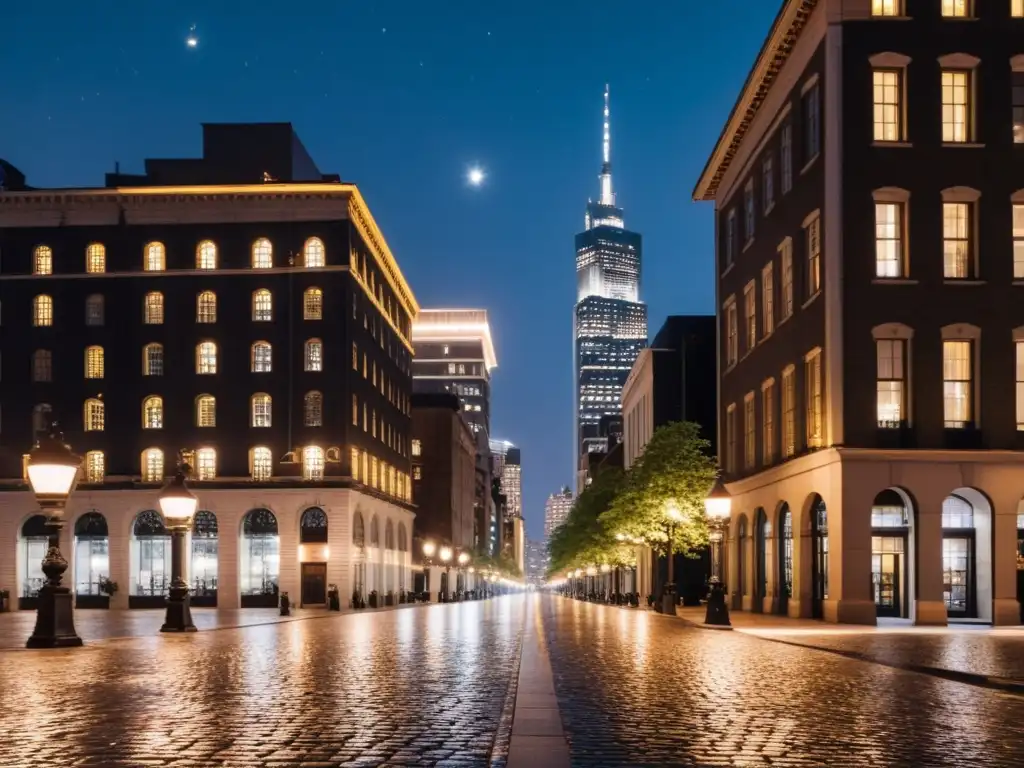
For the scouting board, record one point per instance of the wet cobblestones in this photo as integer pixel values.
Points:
(637, 689)
(414, 687)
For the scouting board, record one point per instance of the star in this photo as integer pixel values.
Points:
(475, 176)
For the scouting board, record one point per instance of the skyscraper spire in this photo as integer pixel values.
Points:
(607, 196)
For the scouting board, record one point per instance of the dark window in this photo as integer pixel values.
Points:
(205, 525)
(259, 522)
(313, 529)
(812, 122)
(150, 523)
(1018, 107)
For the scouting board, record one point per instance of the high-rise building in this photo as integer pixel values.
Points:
(610, 319)
(536, 561)
(556, 510)
(455, 355)
(508, 467)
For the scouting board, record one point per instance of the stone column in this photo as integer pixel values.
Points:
(229, 593)
(850, 599)
(288, 567)
(1005, 607)
(119, 549)
(929, 604)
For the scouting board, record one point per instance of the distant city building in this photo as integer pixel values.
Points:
(610, 319)
(508, 466)
(556, 510)
(536, 561)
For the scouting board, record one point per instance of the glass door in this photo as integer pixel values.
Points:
(958, 575)
(887, 575)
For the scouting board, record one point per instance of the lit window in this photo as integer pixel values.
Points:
(955, 8)
(94, 310)
(788, 413)
(1019, 346)
(152, 465)
(42, 262)
(749, 212)
(887, 104)
(786, 157)
(153, 412)
(956, 384)
(314, 358)
(786, 268)
(42, 311)
(355, 357)
(42, 365)
(313, 304)
(750, 315)
(417, 447)
(313, 409)
(206, 411)
(94, 362)
(768, 299)
(312, 463)
(1017, 91)
(42, 417)
(1017, 9)
(262, 306)
(261, 410)
(417, 473)
(153, 308)
(749, 432)
(1018, 239)
(891, 388)
(730, 439)
(813, 235)
(768, 419)
(206, 255)
(768, 183)
(956, 106)
(95, 259)
(731, 334)
(261, 357)
(888, 240)
(261, 463)
(206, 307)
(154, 260)
(94, 467)
(355, 410)
(206, 357)
(812, 378)
(355, 465)
(206, 464)
(885, 7)
(262, 254)
(812, 123)
(313, 253)
(93, 417)
(956, 240)
(153, 360)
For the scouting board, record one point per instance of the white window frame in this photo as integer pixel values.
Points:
(788, 410)
(749, 432)
(969, 333)
(750, 316)
(970, 198)
(767, 300)
(814, 399)
(768, 422)
(732, 343)
(787, 298)
(812, 249)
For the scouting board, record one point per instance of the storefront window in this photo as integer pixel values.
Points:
(151, 555)
(92, 553)
(260, 553)
(204, 554)
(35, 540)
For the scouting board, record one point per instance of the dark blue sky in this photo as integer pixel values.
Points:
(402, 97)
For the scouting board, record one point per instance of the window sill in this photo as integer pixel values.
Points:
(766, 336)
(949, 281)
(769, 209)
(893, 281)
(890, 18)
(747, 245)
(893, 144)
(1018, 282)
(810, 301)
(962, 144)
(783, 320)
(728, 269)
(809, 163)
(729, 368)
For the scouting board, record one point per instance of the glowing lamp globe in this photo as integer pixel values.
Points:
(52, 468)
(177, 503)
(446, 554)
(674, 514)
(463, 558)
(591, 571)
(718, 503)
(429, 548)
(605, 568)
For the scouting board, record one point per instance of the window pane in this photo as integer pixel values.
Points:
(955, 106)
(262, 254)
(887, 105)
(956, 375)
(888, 247)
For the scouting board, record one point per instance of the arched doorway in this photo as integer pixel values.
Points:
(150, 561)
(967, 555)
(389, 558)
(313, 557)
(819, 557)
(785, 538)
(204, 560)
(260, 559)
(92, 561)
(890, 550)
(403, 548)
(33, 542)
(359, 556)
(762, 534)
(741, 561)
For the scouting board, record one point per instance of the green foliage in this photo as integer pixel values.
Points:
(583, 539)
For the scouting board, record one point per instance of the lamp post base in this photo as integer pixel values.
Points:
(717, 613)
(179, 614)
(55, 620)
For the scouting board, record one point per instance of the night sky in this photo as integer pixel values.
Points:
(402, 98)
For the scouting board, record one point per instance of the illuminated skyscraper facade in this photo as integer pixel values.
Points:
(610, 319)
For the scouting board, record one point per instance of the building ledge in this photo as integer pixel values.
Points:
(893, 144)
(962, 144)
(893, 281)
(964, 282)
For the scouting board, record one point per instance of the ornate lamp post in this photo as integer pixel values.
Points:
(52, 472)
(718, 506)
(668, 600)
(446, 559)
(178, 505)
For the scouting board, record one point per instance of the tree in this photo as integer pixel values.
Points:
(584, 539)
(666, 488)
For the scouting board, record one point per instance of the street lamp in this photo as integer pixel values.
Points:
(718, 506)
(52, 472)
(178, 505)
(463, 560)
(429, 549)
(668, 600)
(446, 557)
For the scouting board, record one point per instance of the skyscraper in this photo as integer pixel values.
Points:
(610, 319)
(556, 510)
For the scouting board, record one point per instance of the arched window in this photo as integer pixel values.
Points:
(94, 362)
(206, 307)
(313, 253)
(312, 463)
(260, 558)
(313, 526)
(95, 259)
(374, 532)
(152, 465)
(262, 254)
(313, 304)
(153, 308)
(154, 257)
(206, 464)
(92, 420)
(358, 530)
(389, 535)
(261, 409)
(42, 365)
(206, 255)
(403, 538)
(262, 357)
(314, 357)
(261, 463)
(313, 408)
(94, 466)
(42, 416)
(42, 311)
(94, 309)
(153, 412)
(92, 547)
(206, 411)
(206, 357)
(262, 306)
(42, 261)
(153, 360)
